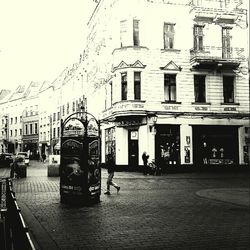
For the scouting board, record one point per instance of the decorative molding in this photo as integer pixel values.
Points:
(123, 65)
(171, 66)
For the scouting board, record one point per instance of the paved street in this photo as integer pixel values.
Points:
(174, 211)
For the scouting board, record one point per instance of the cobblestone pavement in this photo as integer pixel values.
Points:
(174, 211)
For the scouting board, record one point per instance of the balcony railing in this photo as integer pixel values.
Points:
(217, 54)
(217, 4)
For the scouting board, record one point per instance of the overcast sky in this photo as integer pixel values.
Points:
(39, 38)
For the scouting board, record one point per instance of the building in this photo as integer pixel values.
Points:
(15, 124)
(176, 80)
(4, 119)
(31, 119)
(45, 108)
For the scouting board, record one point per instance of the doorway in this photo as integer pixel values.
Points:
(133, 148)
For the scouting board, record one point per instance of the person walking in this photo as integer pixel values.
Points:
(111, 170)
(145, 162)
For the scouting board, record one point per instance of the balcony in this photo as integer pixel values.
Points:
(219, 11)
(217, 57)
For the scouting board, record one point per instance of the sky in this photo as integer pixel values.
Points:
(40, 38)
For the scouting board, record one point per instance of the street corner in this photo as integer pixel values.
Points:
(238, 196)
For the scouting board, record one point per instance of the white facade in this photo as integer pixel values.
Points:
(193, 76)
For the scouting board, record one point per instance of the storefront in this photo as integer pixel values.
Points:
(217, 144)
(167, 145)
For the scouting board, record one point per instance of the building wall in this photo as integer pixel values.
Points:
(153, 61)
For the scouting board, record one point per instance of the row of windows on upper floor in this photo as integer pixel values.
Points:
(169, 35)
(12, 133)
(170, 89)
(12, 120)
(46, 136)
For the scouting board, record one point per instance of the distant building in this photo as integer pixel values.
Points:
(31, 119)
(175, 76)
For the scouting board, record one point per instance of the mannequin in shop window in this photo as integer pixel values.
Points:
(205, 153)
(214, 151)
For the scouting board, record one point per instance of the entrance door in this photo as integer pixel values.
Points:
(133, 148)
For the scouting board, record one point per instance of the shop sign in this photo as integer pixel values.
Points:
(134, 135)
(199, 108)
(167, 107)
(230, 109)
(126, 123)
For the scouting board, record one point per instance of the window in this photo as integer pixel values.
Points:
(20, 131)
(63, 110)
(26, 129)
(31, 129)
(123, 32)
(54, 117)
(11, 132)
(170, 87)
(111, 93)
(20, 118)
(54, 132)
(36, 128)
(15, 132)
(67, 108)
(58, 131)
(169, 35)
(11, 120)
(198, 37)
(124, 85)
(58, 116)
(199, 88)
(228, 89)
(136, 33)
(15, 119)
(226, 43)
(137, 85)
(77, 105)
(73, 107)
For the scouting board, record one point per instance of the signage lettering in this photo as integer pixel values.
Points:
(201, 108)
(230, 109)
(171, 107)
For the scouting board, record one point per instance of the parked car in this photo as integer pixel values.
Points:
(6, 159)
(26, 157)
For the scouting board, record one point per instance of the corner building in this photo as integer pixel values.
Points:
(175, 76)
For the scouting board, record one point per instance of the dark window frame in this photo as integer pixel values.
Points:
(137, 86)
(168, 35)
(198, 36)
(200, 88)
(170, 85)
(124, 86)
(228, 89)
(136, 32)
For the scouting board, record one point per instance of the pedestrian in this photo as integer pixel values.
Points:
(205, 153)
(145, 162)
(111, 169)
(44, 157)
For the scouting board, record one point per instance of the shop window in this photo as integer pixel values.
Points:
(137, 85)
(198, 37)
(199, 88)
(110, 141)
(228, 89)
(124, 85)
(123, 32)
(168, 35)
(170, 87)
(136, 33)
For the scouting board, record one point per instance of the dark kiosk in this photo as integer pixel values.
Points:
(80, 172)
